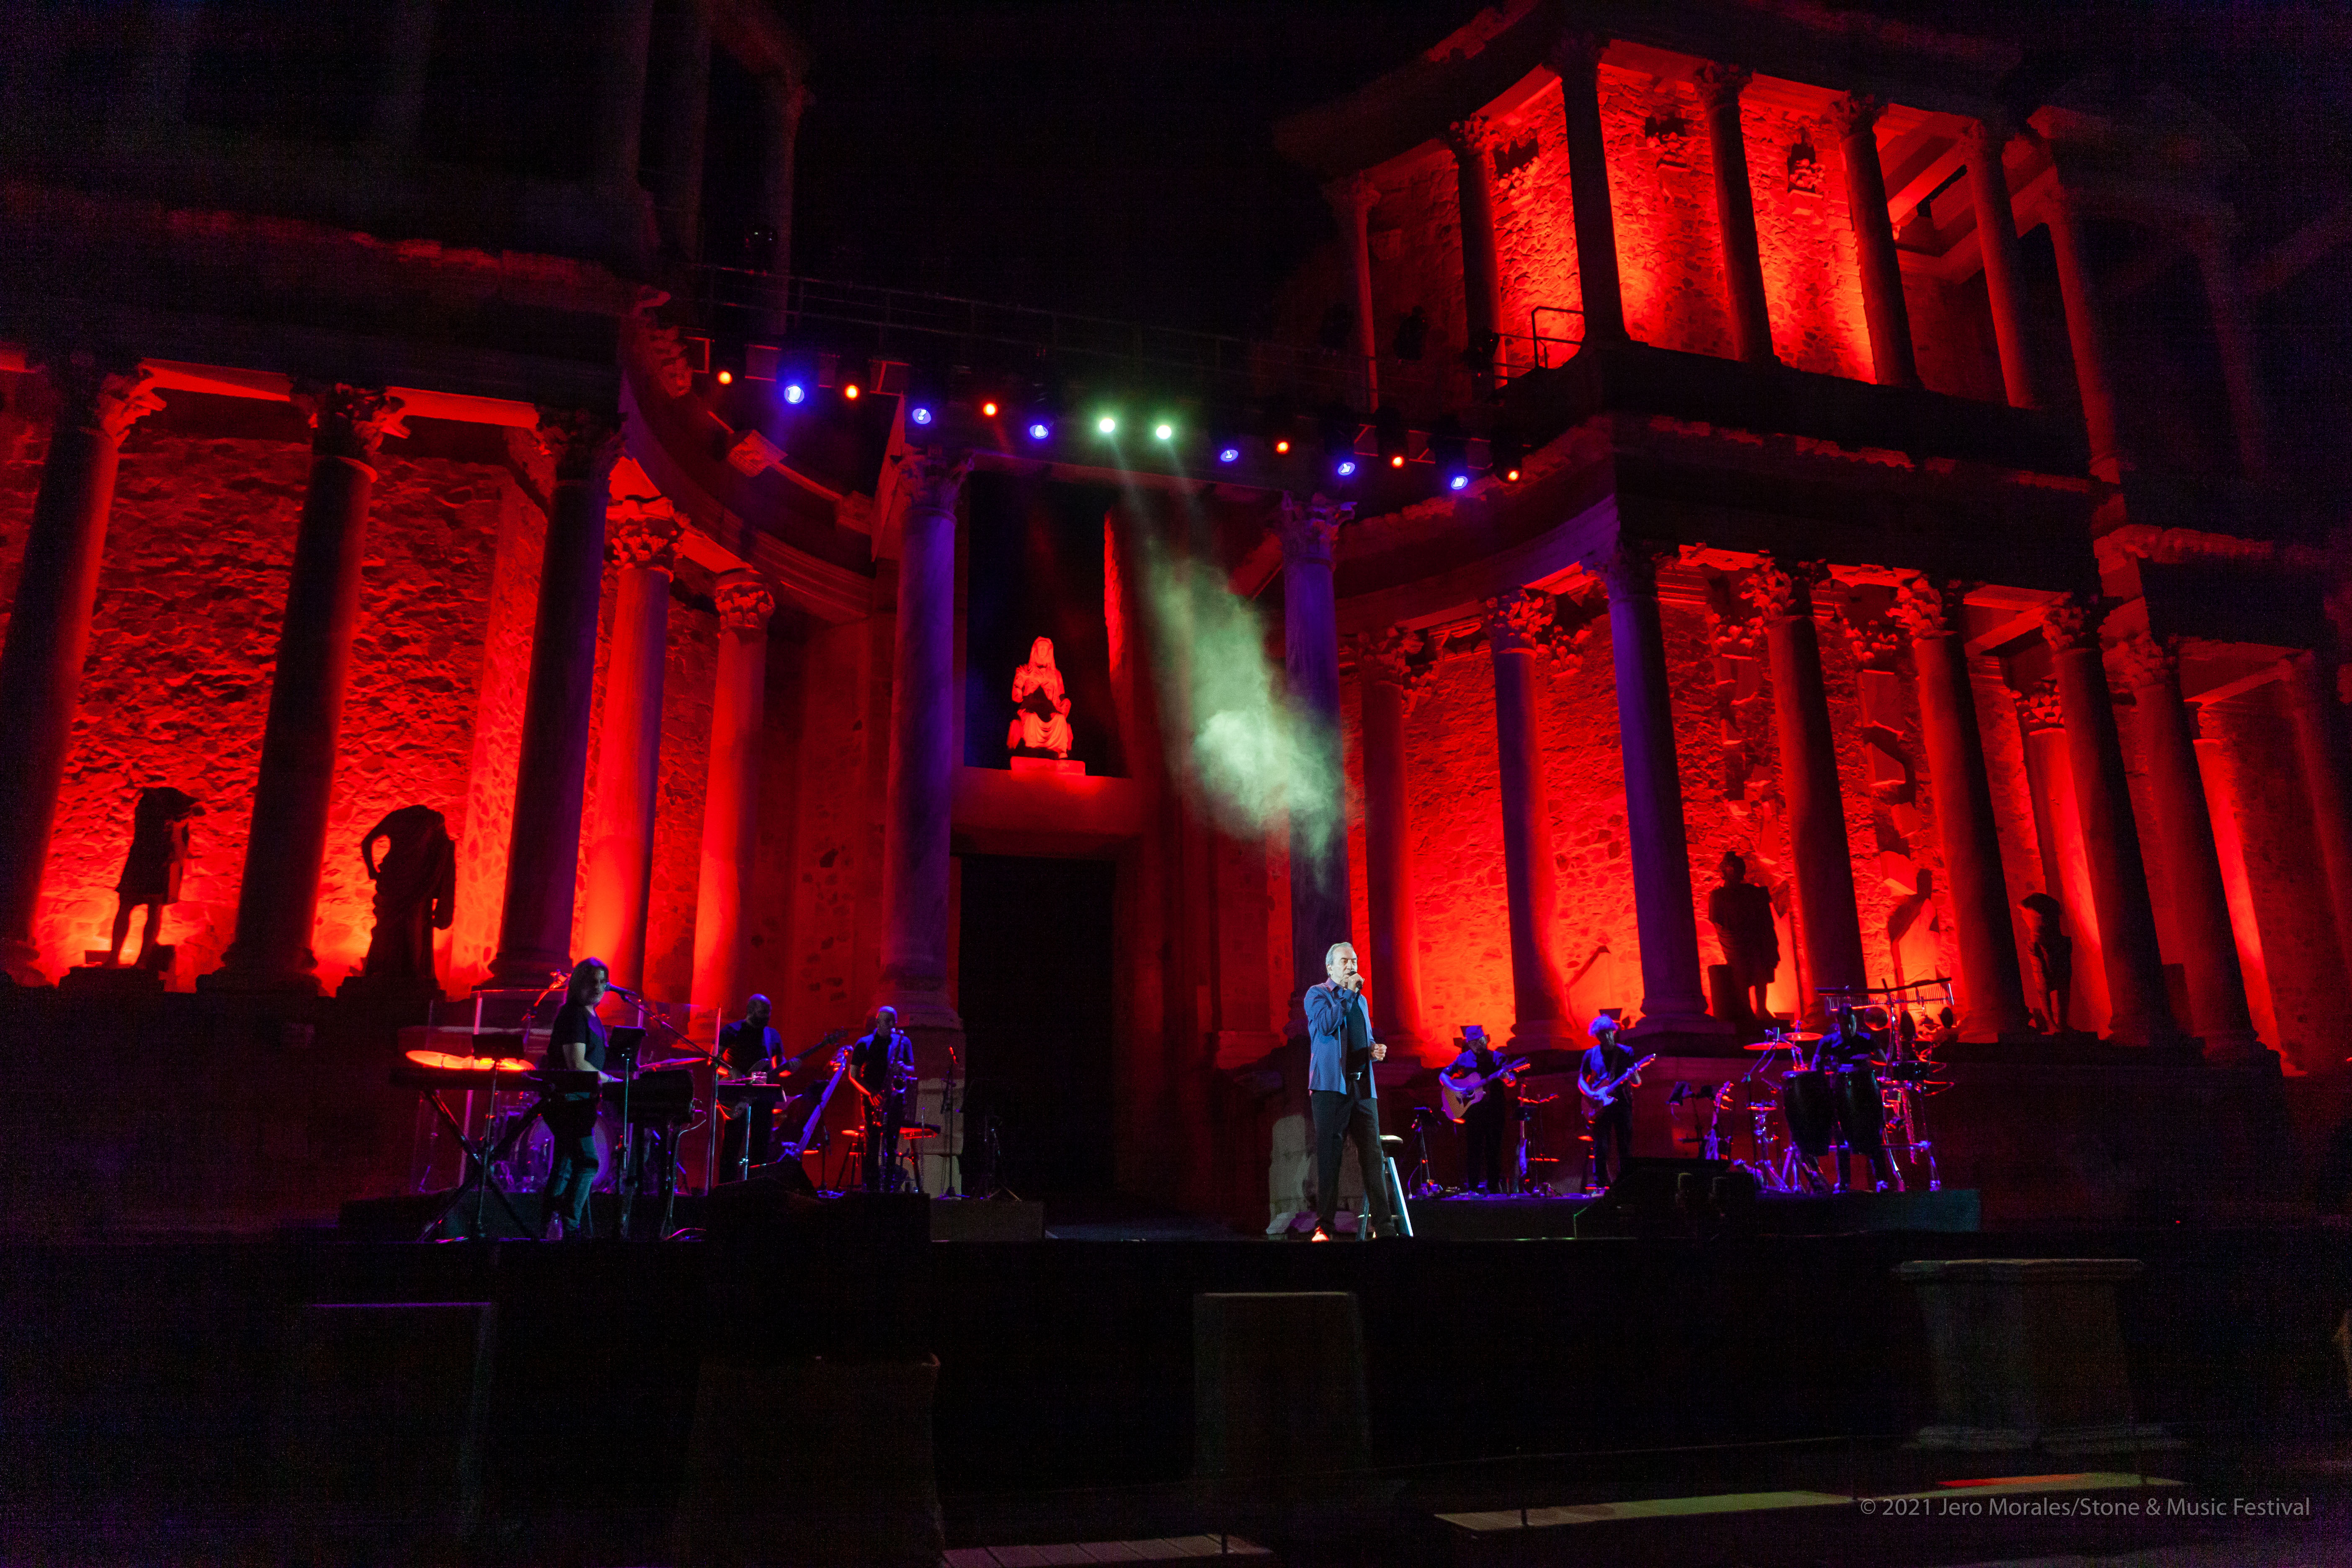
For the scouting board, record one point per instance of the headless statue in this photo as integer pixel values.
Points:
(1041, 723)
(150, 873)
(1741, 914)
(2053, 955)
(415, 895)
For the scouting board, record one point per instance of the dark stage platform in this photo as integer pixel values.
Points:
(1475, 1218)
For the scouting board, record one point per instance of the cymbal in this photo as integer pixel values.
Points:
(1769, 1045)
(1801, 1038)
(919, 1130)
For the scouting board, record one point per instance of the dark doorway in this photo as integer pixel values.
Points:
(1034, 989)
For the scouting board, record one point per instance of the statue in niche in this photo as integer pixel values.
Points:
(415, 895)
(1741, 914)
(150, 872)
(1041, 722)
(2054, 956)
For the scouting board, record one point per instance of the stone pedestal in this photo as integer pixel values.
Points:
(49, 627)
(730, 802)
(2027, 1354)
(641, 534)
(551, 774)
(1855, 118)
(1519, 632)
(278, 898)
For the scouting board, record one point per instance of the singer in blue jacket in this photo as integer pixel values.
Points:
(1339, 1088)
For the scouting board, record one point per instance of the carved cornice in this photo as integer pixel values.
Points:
(642, 532)
(931, 479)
(1855, 114)
(2148, 662)
(585, 443)
(1525, 620)
(1470, 137)
(1877, 644)
(349, 422)
(1310, 532)
(1783, 590)
(105, 396)
(1720, 83)
(1931, 608)
(744, 604)
(2039, 709)
(2073, 622)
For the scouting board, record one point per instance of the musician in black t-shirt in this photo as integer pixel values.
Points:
(576, 1044)
(747, 1046)
(1612, 1124)
(882, 1062)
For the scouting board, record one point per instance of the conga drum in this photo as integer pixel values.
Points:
(1809, 1104)
(1860, 1111)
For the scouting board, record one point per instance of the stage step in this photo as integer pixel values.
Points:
(1950, 1494)
(1165, 1550)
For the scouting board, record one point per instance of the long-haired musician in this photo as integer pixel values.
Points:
(884, 1064)
(576, 1045)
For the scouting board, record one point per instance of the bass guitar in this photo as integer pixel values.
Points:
(1599, 1098)
(1460, 1095)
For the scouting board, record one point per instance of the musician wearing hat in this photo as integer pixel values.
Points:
(1609, 1073)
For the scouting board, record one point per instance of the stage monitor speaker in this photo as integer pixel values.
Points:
(1641, 1201)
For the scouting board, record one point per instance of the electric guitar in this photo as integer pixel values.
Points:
(1459, 1098)
(1600, 1098)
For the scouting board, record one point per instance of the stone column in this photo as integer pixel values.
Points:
(784, 100)
(1391, 676)
(641, 536)
(629, 33)
(2085, 335)
(278, 898)
(1991, 984)
(686, 103)
(398, 114)
(1352, 200)
(1576, 58)
(1471, 140)
(2065, 866)
(730, 803)
(1519, 631)
(1855, 119)
(1673, 997)
(48, 626)
(2319, 745)
(1319, 905)
(551, 774)
(2003, 265)
(1829, 923)
(2139, 1012)
(2200, 904)
(2214, 769)
(1735, 206)
(2233, 334)
(917, 799)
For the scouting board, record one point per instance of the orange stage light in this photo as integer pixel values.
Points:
(725, 378)
(1397, 461)
(1282, 445)
(988, 409)
(850, 391)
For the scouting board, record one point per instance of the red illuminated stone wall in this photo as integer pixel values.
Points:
(1804, 237)
(1661, 190)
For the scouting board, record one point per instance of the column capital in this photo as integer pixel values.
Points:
(1576, 52)
(348, 422)
(2148, 662)
(1524, 620)
(1628, 568)
(1352, 196)
(932, 479)
(1931, 608)
(2072, 621)
(744, 604)
(1991, 135)
(1877, 643)
(1310, 531)
(1470, 137)
(1720, 83)
(584, 442)
(1397, 656)
(1855, 114)
(1783, 590)
(2038, 710)
(642, 531)
(102, 393)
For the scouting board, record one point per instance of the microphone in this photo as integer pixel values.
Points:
(621, 990)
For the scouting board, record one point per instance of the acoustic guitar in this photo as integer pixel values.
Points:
(1459, 1098)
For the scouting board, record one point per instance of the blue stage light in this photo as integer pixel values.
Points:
(919, 415)
(794, 392)
(1346, 468)
(1040, 430)
(1230, 455)
(1458, 482)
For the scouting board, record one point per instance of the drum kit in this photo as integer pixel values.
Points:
(1854, 1092)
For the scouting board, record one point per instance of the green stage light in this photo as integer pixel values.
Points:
(1106, 425)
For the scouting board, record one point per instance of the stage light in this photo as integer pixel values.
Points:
(919, 415)
(1391, 439)
(1230, 455)
(1039, 430)
(1507, 452)
(794, 392)
(1282, 447)
(1458, 482)
(1164, 431)
(1396, 460)
(1106, 426)
(725, 378)
(849, 391)
(1510, 476)
(988, 409)
(1346, 468)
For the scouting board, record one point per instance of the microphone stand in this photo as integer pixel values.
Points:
(948, 1113)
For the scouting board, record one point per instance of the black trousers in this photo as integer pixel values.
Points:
(882, 1126)
(1613, 1128)
(572, 1122)
(1351, 1119)
(1482, 1126)
(750, 1129)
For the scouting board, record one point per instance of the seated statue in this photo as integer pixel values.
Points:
(1041, 723)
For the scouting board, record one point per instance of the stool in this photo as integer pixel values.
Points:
(1390, 1144)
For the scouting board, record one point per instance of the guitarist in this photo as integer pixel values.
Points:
(1609, 1071)
(1484, 1119)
